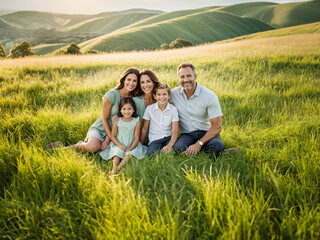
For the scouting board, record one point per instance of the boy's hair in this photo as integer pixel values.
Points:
(125, 101)
(162, 86)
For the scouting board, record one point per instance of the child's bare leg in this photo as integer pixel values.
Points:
(116, 161)
(123, 162)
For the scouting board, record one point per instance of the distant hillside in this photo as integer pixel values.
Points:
(208, 26)
(35, 20)
(138, 29)
(5, 11)
(129, 11)
(295, 30)
(279, 15)
(4, 25)
(44, 49)
(168, 16)
(104, 25)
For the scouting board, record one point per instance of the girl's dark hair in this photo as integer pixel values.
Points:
(151, 75)
(131, 70)
(125, 101)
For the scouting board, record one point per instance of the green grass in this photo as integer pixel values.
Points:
(269, 92)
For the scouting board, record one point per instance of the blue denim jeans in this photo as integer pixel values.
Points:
(214, 146)
(157, 145)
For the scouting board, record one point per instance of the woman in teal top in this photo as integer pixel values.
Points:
(99, 134)
(148, 81)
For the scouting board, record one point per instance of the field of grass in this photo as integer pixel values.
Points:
(269, 91)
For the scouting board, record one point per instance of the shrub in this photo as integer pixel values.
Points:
(59, 52)
(73, 49)
(92, 51)
(180, 43)
(2, 51)
(165, 46)
(21, 50)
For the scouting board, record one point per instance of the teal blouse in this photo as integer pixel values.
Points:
(114, 98)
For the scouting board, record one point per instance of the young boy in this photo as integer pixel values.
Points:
(162, 120)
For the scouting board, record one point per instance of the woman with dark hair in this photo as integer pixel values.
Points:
(148, 81)
(99, 134)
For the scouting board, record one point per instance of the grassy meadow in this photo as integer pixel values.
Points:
(269, 91)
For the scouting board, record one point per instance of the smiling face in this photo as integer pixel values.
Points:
(127, 110)
(146, 84)
(187, 79)
(130, 82)
(162, 96)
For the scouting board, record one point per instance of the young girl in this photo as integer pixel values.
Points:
(125, 137)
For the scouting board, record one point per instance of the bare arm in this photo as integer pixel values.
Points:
(106, 110)
(144, 130)
(135, 138)
(214, 130)
(174, 137)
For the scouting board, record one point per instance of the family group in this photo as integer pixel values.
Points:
(143, 116)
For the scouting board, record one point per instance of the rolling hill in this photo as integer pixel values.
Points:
(35, 20)
(278, 15)
(104, 25)
(295, 30)
(4, 25)
(208, 26)
(168, 16)
(138, 29)
(223, 23)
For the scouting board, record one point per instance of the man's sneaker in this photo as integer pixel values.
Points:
(231, 150)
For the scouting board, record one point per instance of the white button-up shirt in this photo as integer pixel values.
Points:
(195, 113)
(160, 125)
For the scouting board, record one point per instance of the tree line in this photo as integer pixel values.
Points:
(23, 49)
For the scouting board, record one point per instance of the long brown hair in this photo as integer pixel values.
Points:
(151, 75)
(131, 70)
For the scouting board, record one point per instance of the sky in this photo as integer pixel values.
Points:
(97, 6)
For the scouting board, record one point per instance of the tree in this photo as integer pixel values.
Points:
(179, 43)
(2, 51)
(21, 50)
(73, 49)
(165, 46)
